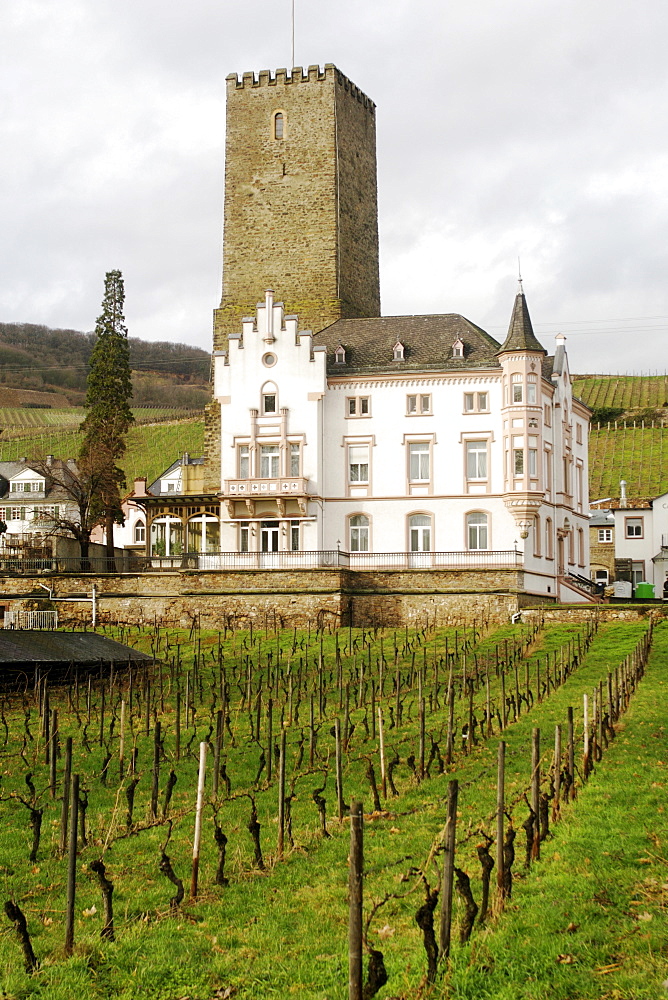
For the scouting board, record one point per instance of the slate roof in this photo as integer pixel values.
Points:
(520, 332)
(31, 646)
(427, 342)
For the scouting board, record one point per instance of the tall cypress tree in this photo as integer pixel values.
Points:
(107, 400)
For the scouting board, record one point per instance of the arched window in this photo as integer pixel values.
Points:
(549, 544)
(358, 528)
(419, 532)
(476, 530)
(167, 536)
(269, 399)
(203, 534)
(279, 125)
(139, 532)
(581, 547)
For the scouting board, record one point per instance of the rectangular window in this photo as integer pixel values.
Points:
(605, 534)
(634, 527)
(18, 514)
(268, 461)
(411, 404)
(244, 461)
(358, 406)
(547, 415)
(244, 536)
(294, 536)
(3, 514)
(269, 402)
(533, 462)
(418, 464)
(476, 460)
(425, 403)
(475, 402)
(531, 392)
(637, 573)
(358, 463)
(418, 403)
(518, 461)
(295, 459)
(578, 433)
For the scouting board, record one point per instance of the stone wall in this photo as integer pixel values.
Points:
(295, 597)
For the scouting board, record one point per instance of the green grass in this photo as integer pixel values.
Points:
(283, 933)
(626, 392)
(638, 455)
(151, 447)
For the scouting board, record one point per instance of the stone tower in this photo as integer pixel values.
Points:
(301, 210)
(301, 207)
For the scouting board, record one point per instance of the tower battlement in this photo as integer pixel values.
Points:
(284, 77)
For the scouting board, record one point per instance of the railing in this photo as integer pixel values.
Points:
(19, 565)
(333, 558)
(31, 619)
(222, 561)
(473, 559)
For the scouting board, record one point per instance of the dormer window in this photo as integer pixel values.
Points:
(398, 351)
(458, 348)
(279, 124)
(340, 355)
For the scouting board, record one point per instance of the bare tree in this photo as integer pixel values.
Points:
(80, 488)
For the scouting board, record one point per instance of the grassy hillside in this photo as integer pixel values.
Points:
(638, 455)
(152, 447)
(614, 397)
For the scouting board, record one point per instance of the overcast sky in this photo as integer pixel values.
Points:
(506, 129)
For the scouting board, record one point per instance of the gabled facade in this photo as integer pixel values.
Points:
(452, 446)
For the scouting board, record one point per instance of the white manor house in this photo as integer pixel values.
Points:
(340, 437)
(414, 440)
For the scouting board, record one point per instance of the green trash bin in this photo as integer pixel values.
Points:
(645, 590)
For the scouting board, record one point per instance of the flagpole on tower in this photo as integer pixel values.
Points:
(293, 34)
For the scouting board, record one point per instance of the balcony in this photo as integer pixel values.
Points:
(274, 488)
(256, 488)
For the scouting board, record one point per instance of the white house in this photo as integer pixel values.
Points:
(409, 440)
(30, 501)
(641, 538)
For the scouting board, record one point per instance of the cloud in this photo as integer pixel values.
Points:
(504, 130)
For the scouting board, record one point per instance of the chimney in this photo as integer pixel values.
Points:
(622, 493)
(49, 460)
(140, 487)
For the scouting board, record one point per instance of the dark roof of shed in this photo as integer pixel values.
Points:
(31, 646)
(427, 342)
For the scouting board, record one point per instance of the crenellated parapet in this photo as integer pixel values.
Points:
(298, 75)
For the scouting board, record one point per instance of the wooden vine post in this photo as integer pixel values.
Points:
(281, 795)
(448, 869)
(355, 882)
(197, 839)
(535, 792)
(500, 807)
(72, 865)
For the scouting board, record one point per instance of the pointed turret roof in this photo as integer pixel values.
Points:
(520, 332)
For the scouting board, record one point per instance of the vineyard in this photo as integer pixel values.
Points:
(185, 831)
(153, 443)
(637, 454)
(626, 393)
